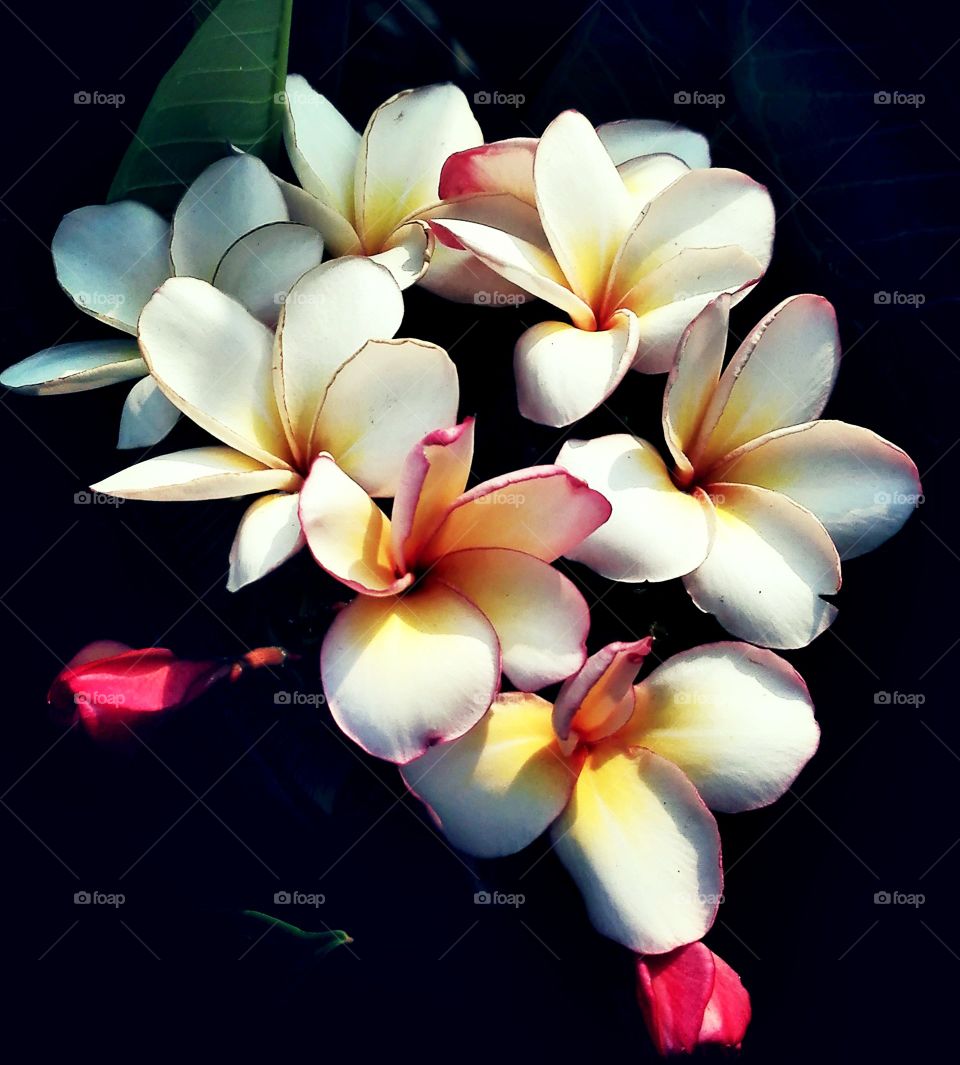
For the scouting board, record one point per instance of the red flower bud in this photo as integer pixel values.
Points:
(108, 685)
(691, 997)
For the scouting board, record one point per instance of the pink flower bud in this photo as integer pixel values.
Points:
(690, 997)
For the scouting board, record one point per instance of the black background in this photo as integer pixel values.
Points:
(866, 196)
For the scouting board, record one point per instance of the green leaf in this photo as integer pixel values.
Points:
(224, 89)
(321, 943)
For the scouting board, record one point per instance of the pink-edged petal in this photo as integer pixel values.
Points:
(540, 617)
(434, 475)
(110, 258)
(598, 699)
(668, 298)
(564, 372)
(199, 473)
(769, 564)
(458, 275)
(631, 137)
(656, 531)
(520, 261)
(406, 672)
(339, 236)
(782, 374)
(76, 367)
(269, 534)
(738, 720)
(407, 253)
(261, 267)
(501, 167)
(642, 848)
(347, 533)
(147, 416)
(212, 359)
(380, 403)
(230, 197)
(583, 204)
(860, 487)
(694, 376)
(497, 788)
(402, 152)
(322, 145)
(329, 314)
(703, 209)
(543, 511)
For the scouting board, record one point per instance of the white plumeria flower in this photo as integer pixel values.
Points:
(763, 500)
(454, 589)
(231, 228)
(373, 194)
(330, 381)
(626, 776)
(632, 253)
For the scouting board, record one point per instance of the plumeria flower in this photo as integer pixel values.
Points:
(762, 500)
(373, 194)
(455, 588)
(692, 998)
(330, 381)
(631, 253)
(625, 775)
(231, 228)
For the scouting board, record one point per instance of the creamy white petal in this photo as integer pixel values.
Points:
(147, 416)
(269, 534)
(75, 367)
(631, 137)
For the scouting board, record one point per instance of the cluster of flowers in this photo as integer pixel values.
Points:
(267, 313)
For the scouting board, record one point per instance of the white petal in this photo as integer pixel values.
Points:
(213, 359)
(402, 152)
(736, 719)
(647, 176)
(583, 204)
(782, 374)
(769, 563)
(75, 368)
(643, 849)
(382, 401)
(656, 531)
(109, 259)
(564, 372)
(501, 167)
(540, 617)
(339, 236)
(860, 487)
(407, 253)
(403, 673)
(231, 197)
(263, 265)
(329, 315)
(147, 416)
(200, 473)
(322, 145)
(268, 535)
(631, 137)
(494, 790)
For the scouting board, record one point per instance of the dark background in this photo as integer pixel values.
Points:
(231, 801)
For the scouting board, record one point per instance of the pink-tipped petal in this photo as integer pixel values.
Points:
(501, 167)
